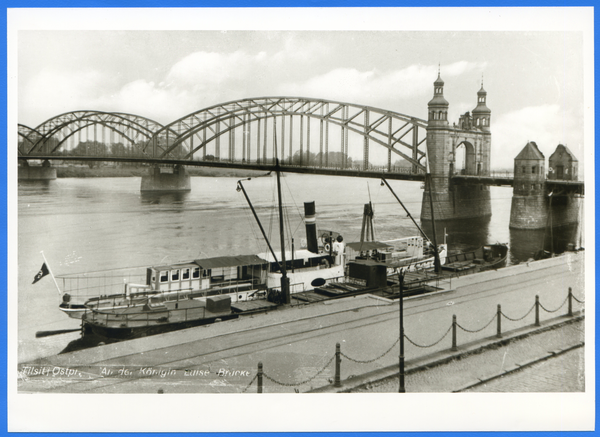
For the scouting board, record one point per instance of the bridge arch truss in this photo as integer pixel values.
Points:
(305, 132)
(85, 133)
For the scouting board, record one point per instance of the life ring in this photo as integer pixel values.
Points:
(327, 247)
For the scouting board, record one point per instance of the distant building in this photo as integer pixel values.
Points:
(563, 165)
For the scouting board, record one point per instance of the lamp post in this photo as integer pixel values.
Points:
(401, 388)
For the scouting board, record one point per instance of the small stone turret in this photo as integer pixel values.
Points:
(482, 114)
(529, 208)
(563, 165)
(438, 106)
(529, 170)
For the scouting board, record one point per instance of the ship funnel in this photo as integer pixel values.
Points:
(311, 227)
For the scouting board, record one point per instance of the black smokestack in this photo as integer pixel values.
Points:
(311, 227)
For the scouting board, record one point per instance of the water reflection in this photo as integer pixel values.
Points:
(528, 244)
(33, 187)
(525, 244)
(461, 234)
(174, 198)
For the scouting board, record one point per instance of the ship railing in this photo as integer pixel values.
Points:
(134, 320)
(87, 285)
(233, 286)
(122, 299)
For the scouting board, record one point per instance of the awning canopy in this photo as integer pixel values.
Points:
(368, 245)
(229, 261)
(298, 254)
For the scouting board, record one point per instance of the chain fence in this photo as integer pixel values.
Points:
(475, 331)
(250, 383)
(296, 384)
(429, 345)
(453, 326)
(374, 359)
(520, 318)
(553, 311)
(577, 300)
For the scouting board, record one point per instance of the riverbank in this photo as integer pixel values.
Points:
(84, 171)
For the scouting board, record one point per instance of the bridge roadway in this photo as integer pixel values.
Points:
(376, 172)
(499, 179)
(496, 179)
(294, 344)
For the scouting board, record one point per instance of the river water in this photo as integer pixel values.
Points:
(90, 224)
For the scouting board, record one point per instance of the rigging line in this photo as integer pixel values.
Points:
(298, 210)
(273, 202)
(294, 200)
(252, 224)
(289, 224)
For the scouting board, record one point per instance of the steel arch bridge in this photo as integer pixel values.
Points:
(52, 137)
(303, 133)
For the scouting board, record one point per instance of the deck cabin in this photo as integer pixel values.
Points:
(382, 251)
(304, 267)
(240, 276)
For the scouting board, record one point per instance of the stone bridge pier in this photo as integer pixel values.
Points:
(166, 178)
(544, 199)
(27, 172)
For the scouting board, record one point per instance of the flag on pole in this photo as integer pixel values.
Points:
(43, 272)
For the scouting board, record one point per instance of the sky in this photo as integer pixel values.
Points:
(534, 79)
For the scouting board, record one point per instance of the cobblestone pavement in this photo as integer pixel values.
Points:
(463, 372)
(563, 373)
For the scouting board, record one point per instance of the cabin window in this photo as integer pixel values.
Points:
(205, 273)
(185, 274)
(196, 272)
(533, 169)
(164, 276)
(175, 275)
(523, 169)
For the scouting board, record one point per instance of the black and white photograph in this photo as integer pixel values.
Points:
(230, 215)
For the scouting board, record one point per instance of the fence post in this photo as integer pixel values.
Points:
(537, 310)
(499, 322)
(338, 360)
(454, 347)
(260, 376)
(570, 298)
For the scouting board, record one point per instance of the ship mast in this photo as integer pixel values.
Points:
(437, 264)
(285, 281)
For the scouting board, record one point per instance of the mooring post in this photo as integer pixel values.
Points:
(499, 322)
(338, 361)
(454, 347)
(570, 298)
(260, 377)
(537, 310)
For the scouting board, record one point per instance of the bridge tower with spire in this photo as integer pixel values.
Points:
(452, 200)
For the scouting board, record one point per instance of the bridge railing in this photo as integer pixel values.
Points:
(492, 174)
(502, 174)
